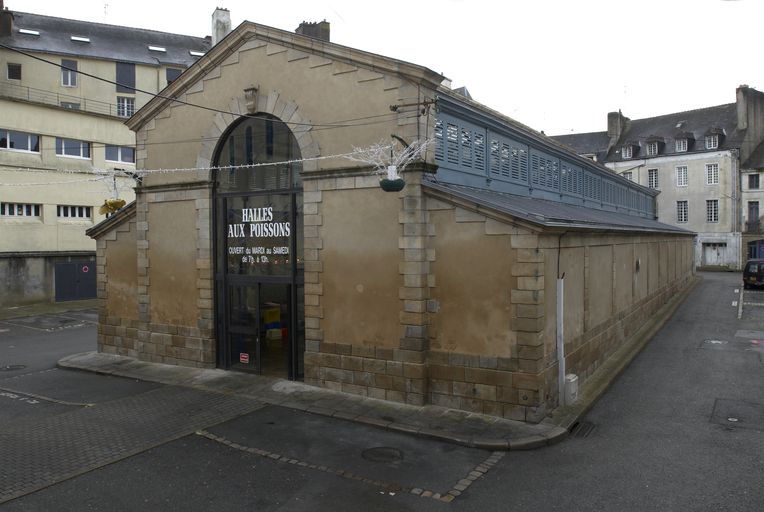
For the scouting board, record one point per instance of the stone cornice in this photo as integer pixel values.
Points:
(248, 31)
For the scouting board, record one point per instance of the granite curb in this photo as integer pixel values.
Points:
(335, 404)
(126, 367)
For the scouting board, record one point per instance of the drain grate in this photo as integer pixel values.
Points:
(582, 429)
(384, 454)
(12, 367)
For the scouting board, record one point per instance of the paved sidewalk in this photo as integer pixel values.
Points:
(38, 454)
(460, 427)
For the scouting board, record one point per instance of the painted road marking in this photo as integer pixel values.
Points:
(740, 305)
(13, 396)
(36, 399)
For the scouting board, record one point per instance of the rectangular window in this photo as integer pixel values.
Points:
(681, 211)
(626, 152)
(627, 175)
(125, 77)
(72, 148)
(681, 145)
(64, 211)
(19, 210)
(125, 106)
(712, 174)
(712, 141)
(19, 141)
(753, 182)
(712, 210)
(172, 74)
(120, 154)
(681, 176)
(68, 73)
(70, 105)
(14, 71)
(652, 178)
(652, 149)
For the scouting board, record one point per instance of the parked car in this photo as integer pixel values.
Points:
(753, 273)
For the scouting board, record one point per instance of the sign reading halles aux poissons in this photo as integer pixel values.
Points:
(258, 223)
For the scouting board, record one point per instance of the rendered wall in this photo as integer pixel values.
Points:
(637, 274)
(360, 256)
(117, 289)
(30, 278)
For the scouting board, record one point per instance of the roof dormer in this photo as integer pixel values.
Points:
(654, 146)
(629, 150)
(714, 138)
(683, 142)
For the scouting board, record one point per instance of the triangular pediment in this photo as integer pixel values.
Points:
(250, 35)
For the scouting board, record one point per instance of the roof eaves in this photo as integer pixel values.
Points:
(247, 31)
(121, 216)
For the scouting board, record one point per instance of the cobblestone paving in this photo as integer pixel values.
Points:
(39, 453)
(447, 495)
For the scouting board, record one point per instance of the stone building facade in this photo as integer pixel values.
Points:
(256, 245)
(706, 163)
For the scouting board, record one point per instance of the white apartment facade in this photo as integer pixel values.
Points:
(66, 89)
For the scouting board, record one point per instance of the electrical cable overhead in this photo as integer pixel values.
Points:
(207, 139)
(341, 124)
(139, 173)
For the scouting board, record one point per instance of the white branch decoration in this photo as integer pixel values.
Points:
(390, 159)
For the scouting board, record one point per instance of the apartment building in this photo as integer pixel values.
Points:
(706, 163)
(66, 89)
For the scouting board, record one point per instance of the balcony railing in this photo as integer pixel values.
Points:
(65, 101)
(754, 226)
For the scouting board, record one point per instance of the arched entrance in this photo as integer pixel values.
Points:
(259, 272)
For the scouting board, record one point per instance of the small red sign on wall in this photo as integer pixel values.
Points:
(244, 358)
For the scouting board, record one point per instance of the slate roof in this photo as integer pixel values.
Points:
(110, 42)
(756, 160)
(552, 214)
(592, 143)
(692, 124)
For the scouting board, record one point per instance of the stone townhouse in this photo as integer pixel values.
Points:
(706, 163)
(255, 244)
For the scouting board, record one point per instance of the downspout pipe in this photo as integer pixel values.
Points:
(561, 371)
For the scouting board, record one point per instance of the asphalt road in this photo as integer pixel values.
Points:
(681, 429)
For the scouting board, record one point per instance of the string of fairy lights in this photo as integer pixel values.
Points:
(124, 179)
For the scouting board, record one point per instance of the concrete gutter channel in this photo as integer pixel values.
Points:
(439, 423)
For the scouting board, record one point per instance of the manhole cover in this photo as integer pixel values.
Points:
(12, 367)
(382, 454)
(740, 413)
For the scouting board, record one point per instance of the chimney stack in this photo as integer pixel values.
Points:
(319, 30)
(221, 24)
(742, 94)
(6, 21)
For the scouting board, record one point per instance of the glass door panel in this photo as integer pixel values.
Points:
(275, 328)
(243, 328)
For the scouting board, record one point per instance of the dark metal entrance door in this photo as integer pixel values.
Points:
(75, 281)
(243, 331)
(261, 332)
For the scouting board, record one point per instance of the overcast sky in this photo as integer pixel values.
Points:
(555, 65)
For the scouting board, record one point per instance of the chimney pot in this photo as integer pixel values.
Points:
(318, 30)
(221, 24)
